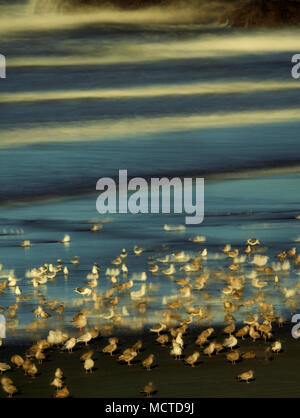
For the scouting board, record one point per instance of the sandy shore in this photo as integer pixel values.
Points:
(212, 377)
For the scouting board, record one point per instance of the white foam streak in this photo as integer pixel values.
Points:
(139, 127)
(151, 91)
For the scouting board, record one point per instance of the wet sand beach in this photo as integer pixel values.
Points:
(211, 377)
(252, 275)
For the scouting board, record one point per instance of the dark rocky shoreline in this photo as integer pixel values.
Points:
(266, 13)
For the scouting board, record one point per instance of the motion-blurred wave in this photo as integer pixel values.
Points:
(141, 126)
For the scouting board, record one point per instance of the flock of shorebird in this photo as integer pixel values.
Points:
(236, 269)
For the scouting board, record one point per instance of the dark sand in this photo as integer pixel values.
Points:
(212, 377)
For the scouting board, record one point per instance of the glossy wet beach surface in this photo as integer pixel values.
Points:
(227, 220)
